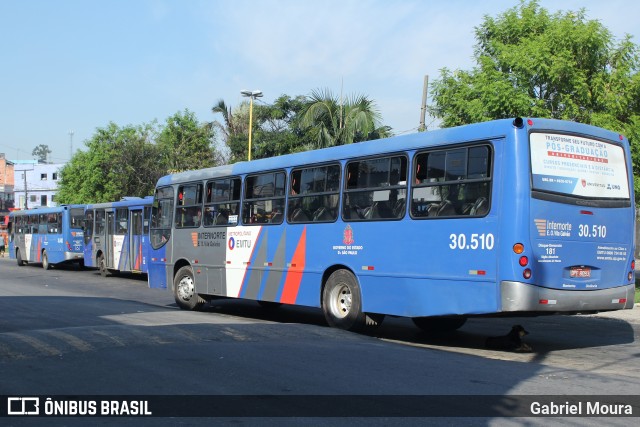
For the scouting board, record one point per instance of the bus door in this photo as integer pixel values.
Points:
(99, 239)
(135, 239)
(108, 239)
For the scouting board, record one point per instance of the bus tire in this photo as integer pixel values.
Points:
(102, 266)
(19, 258)
(439, 324)
(45, 261)
(184, 290)
(342, 301)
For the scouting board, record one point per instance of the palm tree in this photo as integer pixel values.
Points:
(231, 126)
(233, 129)
(338, 123)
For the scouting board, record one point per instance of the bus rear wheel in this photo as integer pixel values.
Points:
(19, 259)
(184, 290)
(341, 301)
(102, 266)
(45, 261)
(439, 324)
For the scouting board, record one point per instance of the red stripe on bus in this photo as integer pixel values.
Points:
(138, 256)
(293, 279)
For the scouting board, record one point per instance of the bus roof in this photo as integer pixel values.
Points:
(460, 134)
(125, 202)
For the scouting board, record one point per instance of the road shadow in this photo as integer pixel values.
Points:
(546, 333)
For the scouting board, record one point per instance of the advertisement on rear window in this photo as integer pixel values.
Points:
(578, 166)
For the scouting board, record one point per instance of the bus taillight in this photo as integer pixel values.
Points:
(518, 249)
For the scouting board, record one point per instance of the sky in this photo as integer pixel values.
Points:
(70, 67)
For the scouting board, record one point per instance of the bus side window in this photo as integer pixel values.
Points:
(314, 194)
(456, 183)
(222, 202)
(376, 189)
(189, 209)
(161, 212)
(264, 198)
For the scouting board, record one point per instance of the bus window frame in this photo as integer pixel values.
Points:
(294, 195)
(209, 203)
(190, 215)
(367, 213)
(443, 207)
(254, 201)
(161, 227)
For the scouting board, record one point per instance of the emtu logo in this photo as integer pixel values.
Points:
(231, 243)
(541, 225)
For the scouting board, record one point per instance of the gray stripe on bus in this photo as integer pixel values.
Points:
(255, 269)
(274, 278)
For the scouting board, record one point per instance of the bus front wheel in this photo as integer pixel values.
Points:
(45, 261)
(184, 290)
(341, 301)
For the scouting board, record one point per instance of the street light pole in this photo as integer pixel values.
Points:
(252, 94)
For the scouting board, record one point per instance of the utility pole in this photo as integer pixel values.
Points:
(423, 110)
(26, 197)
(70, 145)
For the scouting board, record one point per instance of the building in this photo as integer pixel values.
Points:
(35, 183)
(6, 184)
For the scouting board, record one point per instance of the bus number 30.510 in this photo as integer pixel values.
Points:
(476, 241)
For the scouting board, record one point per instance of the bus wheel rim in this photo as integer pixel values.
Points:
(186, 288)
(341, 300)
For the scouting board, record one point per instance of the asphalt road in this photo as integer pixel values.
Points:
(69, 332)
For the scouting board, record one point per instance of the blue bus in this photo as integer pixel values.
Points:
(507, 217)
(47, 235)
(116, 237)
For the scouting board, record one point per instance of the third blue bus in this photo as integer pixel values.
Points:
(49, 236)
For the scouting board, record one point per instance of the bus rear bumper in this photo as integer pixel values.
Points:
(518, 296)
(73, 256)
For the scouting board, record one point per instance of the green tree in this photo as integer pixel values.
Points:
(293, 124)
(533, 63)
(333, 122)
(41, 152)
(232, 129)
(118, 162)
(281, 131)
(186, 144)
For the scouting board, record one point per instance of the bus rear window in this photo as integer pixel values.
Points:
(566, 167)
(77, 217)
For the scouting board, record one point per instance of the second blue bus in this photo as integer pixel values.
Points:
(117, 235)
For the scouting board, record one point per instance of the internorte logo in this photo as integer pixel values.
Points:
(208, 238)
(541, 225)
(548, 228)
